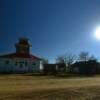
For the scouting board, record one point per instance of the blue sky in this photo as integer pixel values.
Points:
(54, 27)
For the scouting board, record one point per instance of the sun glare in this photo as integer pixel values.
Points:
(97, 33)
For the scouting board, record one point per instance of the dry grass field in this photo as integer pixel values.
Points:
(28, 87)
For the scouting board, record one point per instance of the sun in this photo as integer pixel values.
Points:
(97, 33)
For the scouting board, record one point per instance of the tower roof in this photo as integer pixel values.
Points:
(23, 46)
(22, 50)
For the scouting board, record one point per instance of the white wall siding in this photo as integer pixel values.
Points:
(35, 65)
(5, 65)
(41, 66)
(19, 65)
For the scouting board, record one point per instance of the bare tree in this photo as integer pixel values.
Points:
(61, 59)
(84, 56)
(45, 61)
(92, 58)
(67, 59)
(70, 59)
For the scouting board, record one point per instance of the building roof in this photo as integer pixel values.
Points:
(20, 55)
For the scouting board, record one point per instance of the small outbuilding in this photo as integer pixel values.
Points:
(54, 68)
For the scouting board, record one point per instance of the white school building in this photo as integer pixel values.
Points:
(21, 61)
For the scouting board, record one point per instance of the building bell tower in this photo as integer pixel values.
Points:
(23, 46)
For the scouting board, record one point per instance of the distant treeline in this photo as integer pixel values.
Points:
(82, 64)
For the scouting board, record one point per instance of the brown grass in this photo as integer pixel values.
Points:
(20, 87)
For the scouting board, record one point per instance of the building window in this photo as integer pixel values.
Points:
(16, 63)
(34, 63)
(6, 62)
(26, 63)
(21, 62)
(0, 61)
(21, 66)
